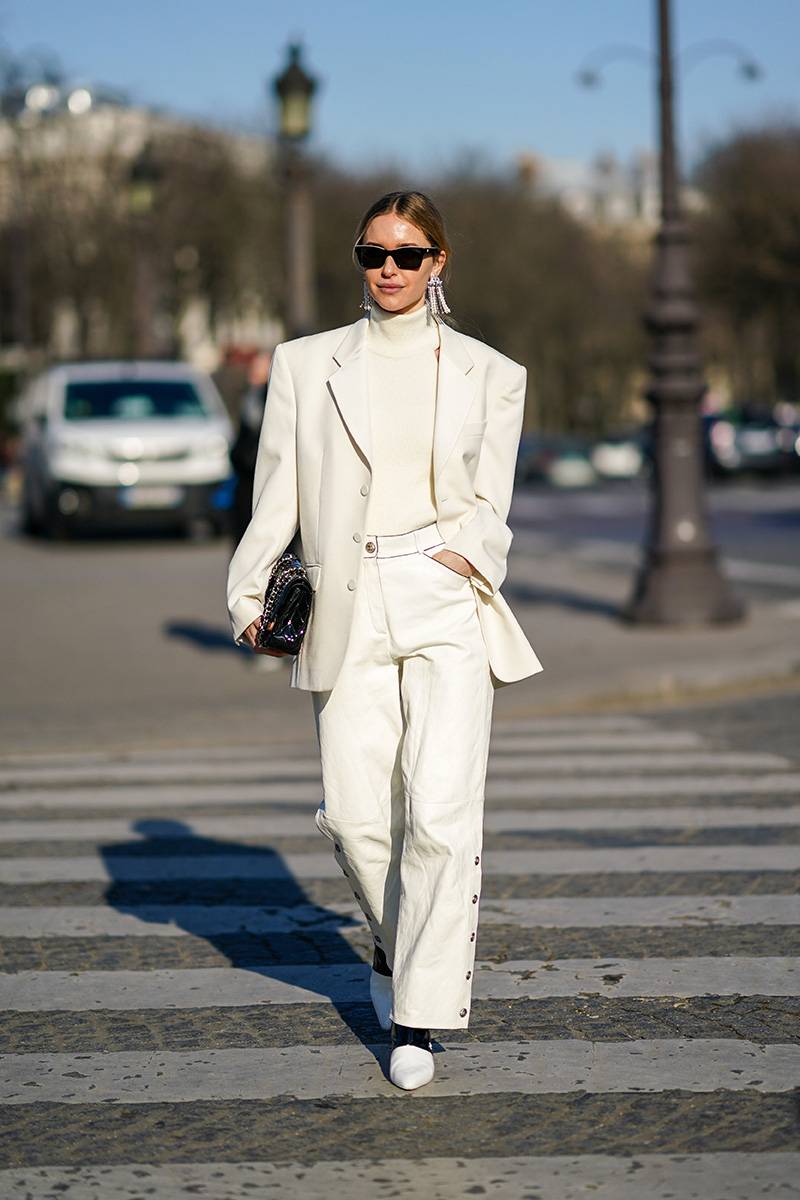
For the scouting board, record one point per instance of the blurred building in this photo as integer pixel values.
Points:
(609, 195)
(92, 134)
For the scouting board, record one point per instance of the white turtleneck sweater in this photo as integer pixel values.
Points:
(401, 379)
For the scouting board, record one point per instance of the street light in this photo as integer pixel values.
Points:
(679, 581)
(295, 89)
(144, 179)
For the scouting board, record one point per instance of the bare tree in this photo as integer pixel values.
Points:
(526, 277)
(748, 260)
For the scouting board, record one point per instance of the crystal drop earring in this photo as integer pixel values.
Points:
(434, 296)
(366, 298)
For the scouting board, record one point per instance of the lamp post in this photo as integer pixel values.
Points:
(143, 182)
(680, 581)
(295, 88)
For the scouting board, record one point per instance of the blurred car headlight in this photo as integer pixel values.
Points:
(723, 435)
(214, 446)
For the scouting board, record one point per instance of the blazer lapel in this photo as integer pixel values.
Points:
(455, 393)
(348, 385)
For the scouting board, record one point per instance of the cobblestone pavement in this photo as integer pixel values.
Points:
(184, 976)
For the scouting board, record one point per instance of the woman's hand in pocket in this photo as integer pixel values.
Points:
(250, 635)
(456, 562)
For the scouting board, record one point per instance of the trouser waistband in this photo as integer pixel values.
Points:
(388, 545)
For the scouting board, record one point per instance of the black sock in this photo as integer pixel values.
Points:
(379, 963)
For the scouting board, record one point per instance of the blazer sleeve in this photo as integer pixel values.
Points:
(275, 516)
(485, 538)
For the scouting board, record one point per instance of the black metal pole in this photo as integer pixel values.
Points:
(300, 300)
(680, 581)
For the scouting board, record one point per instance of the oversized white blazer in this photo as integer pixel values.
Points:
(313, 475)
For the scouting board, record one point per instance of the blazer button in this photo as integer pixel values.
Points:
(351, 585)
(364, 489)
(356, 537)
(463, 1012)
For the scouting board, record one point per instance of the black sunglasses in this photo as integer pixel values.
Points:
(406, 258)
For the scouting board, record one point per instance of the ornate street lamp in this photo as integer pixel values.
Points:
(295, 89)
(144, 179)
(680, 581)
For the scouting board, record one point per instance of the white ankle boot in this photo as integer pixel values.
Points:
(380, 990)
(411, 1063)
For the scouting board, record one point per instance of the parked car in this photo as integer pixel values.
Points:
(619, 456)
(123, 443)
(557, 460)
(735, 444)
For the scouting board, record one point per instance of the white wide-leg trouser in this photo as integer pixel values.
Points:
(404, 743)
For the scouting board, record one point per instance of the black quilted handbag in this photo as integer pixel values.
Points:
(287, 606)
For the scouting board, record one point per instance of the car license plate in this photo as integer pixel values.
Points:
(162, 496)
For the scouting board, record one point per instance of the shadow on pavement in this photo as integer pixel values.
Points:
(560, 598)
(303, 933)
(204, 637)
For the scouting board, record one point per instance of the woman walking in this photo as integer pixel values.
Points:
(390, 445)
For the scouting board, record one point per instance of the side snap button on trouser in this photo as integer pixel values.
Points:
(408, 817)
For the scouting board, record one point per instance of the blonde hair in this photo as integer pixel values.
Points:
(414, 207)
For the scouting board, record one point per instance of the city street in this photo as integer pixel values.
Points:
(184, 970)
(185, 977)
(755, 526)
(125, 641)
(583, 282)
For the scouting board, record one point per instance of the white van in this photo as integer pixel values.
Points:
(123, 443)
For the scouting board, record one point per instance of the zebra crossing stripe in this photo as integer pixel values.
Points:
(669, 765)
(313, 1072)
(714, 1176)
(266, 864)
(168, 920)
(567, 743)
(303, 792)
(308, 769)
(279, 824)
(601, 723)
(538, 726)
(527, 979)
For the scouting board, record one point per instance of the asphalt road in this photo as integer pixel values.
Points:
(125, 641)
(756, 527)
(183, 969)
(184, 976)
